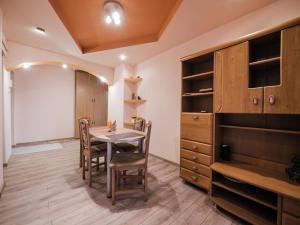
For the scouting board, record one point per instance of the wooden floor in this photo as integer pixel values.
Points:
(46, 188)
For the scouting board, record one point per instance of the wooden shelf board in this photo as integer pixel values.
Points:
(133, 79)
(242, 210)
(198, 94)
(197, 113)
(134, 102)
(267, 180)
(199, 76)
(264, 61)
(128, 123)
(261, 129)
(247, 193)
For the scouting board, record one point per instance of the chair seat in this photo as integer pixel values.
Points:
(94, 141)
(127, 160)
(96, 151)
(126, 147)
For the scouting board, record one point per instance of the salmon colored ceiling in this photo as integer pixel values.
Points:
(144, 21)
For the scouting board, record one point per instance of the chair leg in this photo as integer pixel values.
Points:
(113, 197)
(90, 171)
(83, 166)
(146, 185)
(80, 157)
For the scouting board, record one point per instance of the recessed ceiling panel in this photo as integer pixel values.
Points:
(143, 21)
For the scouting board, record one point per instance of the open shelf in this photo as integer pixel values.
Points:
(202, 103)
(258, 177)
(197, 94)
(250, 192)
(199, 76)
(261, 129)
(265, 61)
(134, 101)
(198, 65)
(246, 209)
(132, 79)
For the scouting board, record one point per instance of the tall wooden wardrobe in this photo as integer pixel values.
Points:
(90, 99)
(246, 95)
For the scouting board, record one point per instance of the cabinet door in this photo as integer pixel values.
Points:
(82, 97)
(285, 98)
(232, 94)
(100, 103)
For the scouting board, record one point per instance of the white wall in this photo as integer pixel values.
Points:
(116, 94)
(1, 108)
(161, 84)
(7, 95)
(44, 99)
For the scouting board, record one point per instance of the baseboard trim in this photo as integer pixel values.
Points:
(45, 142)
(168, 161)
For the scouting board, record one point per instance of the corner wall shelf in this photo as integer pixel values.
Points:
(134, 101)
(132, 79)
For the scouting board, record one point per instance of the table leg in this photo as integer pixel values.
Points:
(108, 176)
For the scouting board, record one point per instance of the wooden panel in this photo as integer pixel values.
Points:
(195, 157)
(195, 178)
(195, 167)
(197, 127)
(196, 147)
(290, 220)
(232, 94)
(82, 97)
(291, 206)
(287, 94)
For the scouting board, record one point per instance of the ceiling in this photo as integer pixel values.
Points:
(192, 18)
(144, 21)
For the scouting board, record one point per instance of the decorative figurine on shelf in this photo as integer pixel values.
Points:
(139, 98)
(133, 96)
(133, 117)
(293, 172)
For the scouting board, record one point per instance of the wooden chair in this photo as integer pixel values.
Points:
(90, 152)
(93, 141)
(131, 161)
(139, 124)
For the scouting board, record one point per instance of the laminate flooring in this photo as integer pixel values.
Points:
(46, 188)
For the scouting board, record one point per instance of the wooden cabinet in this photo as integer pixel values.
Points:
(285, 98)
(90, 99)
(232, 94)
(290, 220)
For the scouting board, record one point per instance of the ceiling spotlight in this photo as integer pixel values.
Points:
(123, 57)
(40, 30)
(113, 12)
(26, 65)
(65, 66)
(103, 79)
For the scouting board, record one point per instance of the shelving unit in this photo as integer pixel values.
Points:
(199, 76)
(261, 129)
(131, 85)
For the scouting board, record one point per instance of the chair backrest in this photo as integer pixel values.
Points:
(80, 136)
(139, 124)
(147, 140)
(84, 126)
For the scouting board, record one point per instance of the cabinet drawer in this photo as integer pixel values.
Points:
(195, 178)
(291, 206)
(290, 220)
(197, 127)
(195, 167)
(197, 147)
(195, 157)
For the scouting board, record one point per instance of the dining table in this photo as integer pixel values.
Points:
(119, 135)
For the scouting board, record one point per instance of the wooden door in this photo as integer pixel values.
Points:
(286, 96)
(100, 91)
(82, 97)
(232, 94)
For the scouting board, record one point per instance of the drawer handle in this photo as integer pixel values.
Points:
(194, 168)
(194, 158)
(194, 178)
(272, 99)
(195, 117)
(255, 100)
(194, 148)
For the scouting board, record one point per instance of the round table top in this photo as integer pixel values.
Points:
(119, 135)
